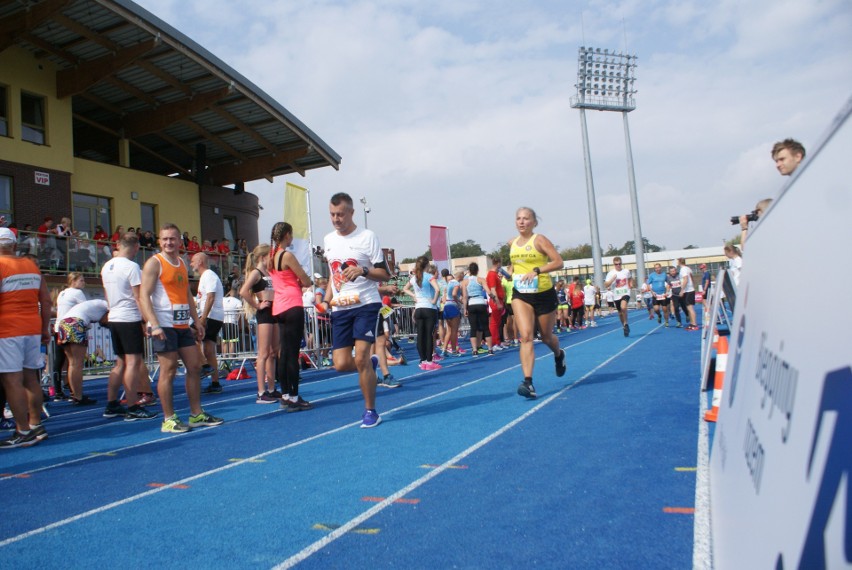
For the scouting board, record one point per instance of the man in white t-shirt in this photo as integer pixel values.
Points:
(687, 281)
(211, 315)
(621, 281)
(231, 330)
(121, 277)
(357, 266)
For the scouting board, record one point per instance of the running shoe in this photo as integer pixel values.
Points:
(527, 391)
(460, 352)
(659, 319)
(60, 397)
(7, 424)
(436, 357)
(137, 412)
(114, 410)
(213, 388)
(667, 324)
(18, 439)
(206, 370)
(146, 399)
(275, 394)
(84, 401)
(497, 348)
(560, 364)
(39, 431)
(370, 419)
(626, 330)
(299, 405)
(326, 362)
(430, 366)
(390, 382)
(204, 419)
(679, 325)
(482, 351)
(267, 398)
(174, 425)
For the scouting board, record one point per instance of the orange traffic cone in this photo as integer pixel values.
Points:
(721, 363)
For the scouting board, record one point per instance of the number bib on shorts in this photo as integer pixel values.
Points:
(525, 286)
(621, 292)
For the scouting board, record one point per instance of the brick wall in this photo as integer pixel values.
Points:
(33, 202)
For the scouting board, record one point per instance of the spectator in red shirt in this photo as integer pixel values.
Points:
(223, 247)
(578, 298)
(116, 236)
(496, 300)
(193, 246)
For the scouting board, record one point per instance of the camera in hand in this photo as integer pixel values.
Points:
(751, 217)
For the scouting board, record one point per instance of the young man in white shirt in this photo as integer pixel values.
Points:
(621, 281)
(357, 266)
(122, 277)
(687, 280)
(211, 315)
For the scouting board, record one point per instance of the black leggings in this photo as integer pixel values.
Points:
(677, 305)
(477, 316)
(58, 364)
(424, 323)
(291, 331)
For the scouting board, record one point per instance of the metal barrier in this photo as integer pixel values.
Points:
(237, 341)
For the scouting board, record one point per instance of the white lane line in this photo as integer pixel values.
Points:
(292, 445)
(702, 552)
(379, 507)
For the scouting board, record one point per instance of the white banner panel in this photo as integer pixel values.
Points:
(781, 463)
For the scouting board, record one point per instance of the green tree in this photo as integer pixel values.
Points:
(502, 252)
(581, 251)
(629, 248)
(690, 246)
(467, 248)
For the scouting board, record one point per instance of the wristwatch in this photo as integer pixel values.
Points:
(537, 270)
(365, 271)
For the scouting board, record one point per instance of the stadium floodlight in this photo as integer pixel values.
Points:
(367, 210)
(605, 82)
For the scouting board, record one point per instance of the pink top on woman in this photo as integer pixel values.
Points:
(288, 290)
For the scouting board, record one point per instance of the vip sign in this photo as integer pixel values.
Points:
(781, 463)
(42, 178)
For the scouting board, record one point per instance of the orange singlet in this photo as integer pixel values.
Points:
(20, 283)
(171, 297)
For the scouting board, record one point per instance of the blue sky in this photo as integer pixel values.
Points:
(456, 113)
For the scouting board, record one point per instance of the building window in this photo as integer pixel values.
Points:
(149, 218)
(6, 198)
(91, 211)
(230, 230)
(4, 113)
(33, 118)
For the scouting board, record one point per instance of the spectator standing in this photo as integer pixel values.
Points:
(211, 316)
(122, 278)
(423, 287)
(165, 301)
(288, 277)
(475, 301)
(589, 297)
(73, 339)
(25, 306)
(67, 298)
(258, 294)
(687, 281)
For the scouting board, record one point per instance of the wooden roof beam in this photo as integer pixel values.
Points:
(252, 168)
(145, 122)
(207, 135)
(244, 128)
(73, 81)
(11, 27)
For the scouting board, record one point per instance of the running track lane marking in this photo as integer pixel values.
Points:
(379, 507)
(92, 455)
(702, 541)
(398, 501)
(368, 514)
(679, 510)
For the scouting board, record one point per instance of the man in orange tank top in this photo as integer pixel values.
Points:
(23, 330)
(166, 303)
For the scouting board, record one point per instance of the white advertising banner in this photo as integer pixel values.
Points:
(781, 462)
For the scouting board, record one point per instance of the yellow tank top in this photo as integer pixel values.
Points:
(524, 259)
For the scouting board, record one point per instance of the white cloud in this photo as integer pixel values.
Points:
(457, 112)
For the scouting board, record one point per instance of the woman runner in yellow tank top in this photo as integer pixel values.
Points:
(533, 297)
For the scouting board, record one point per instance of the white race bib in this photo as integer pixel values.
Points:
(180, 314)
(525, 286)
(621, 292)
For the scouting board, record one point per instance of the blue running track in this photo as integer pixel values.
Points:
(599, 472)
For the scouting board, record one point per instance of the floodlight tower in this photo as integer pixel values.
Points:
(605, 82)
